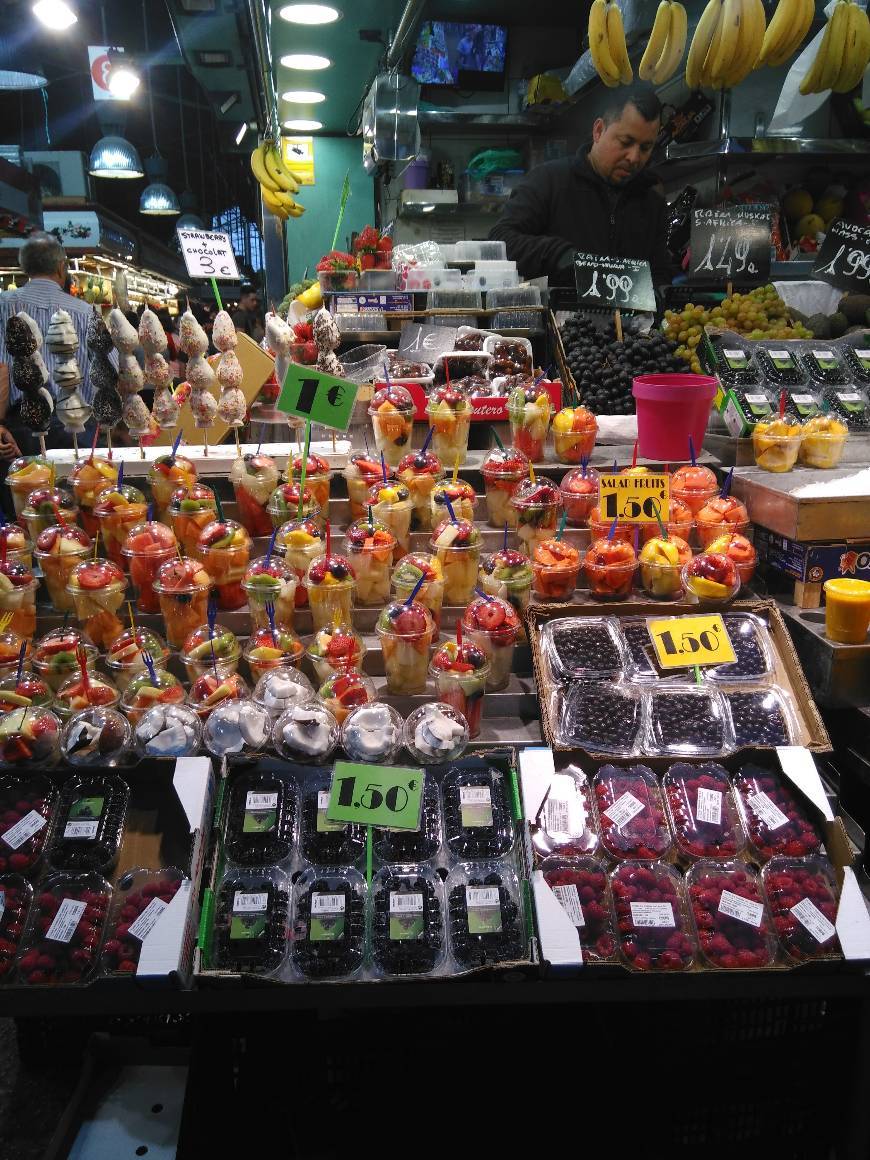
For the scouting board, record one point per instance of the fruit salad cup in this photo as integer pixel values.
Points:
(661, 566)
(331, 583)
(579, 490)
(342, 692)
(494, 626)
(407, 574)
(10, 651)
(822, 442)
(776, 443)
(191, 510)
(502, 470)
(79, 692)
(334, 650)
(420, 471)
(148, 689)
(449, 411)
(391, 505)
(55, 655)
(97, 587)
(88, 478)
(369, 548)
(254, 478)
(216, 688)
(457, 546)
(117, 510)
(270, 649)
(43, 507)
(406, 632)
(609, 567)
(738, 549)
(694, 485)
(301, 542)
(507, 574)
(556, 566)
(392, 414)
(225, 551)
(14, 545)
(147, 548)
(537, 506)
(182, 587)
(680, 522)
(26, 474)
(18, 596)
(462, 499)
(58, 549)
(22, 692)
(210, 647)
(530, 410)
(711, 579)
(124, 655)
(167, 474)
(460, 673)
(317, 476)
(361, 474)
(626, 531)
(719, 515)
(574, 432)
(29, 739)
(270, 581)
(284, 504)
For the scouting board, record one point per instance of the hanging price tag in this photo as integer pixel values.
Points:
(321, 398)
(731, 245)
(635, 497)
(614, 283)
(681, 642)
(376, 795)
(844, 257)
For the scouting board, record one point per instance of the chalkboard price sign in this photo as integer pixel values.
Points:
(730, 245)
(844, 259)
(614, 283)
(425, 343)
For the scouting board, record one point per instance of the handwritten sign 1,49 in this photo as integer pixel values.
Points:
(731, 245)
(208, 255)
(844, 259)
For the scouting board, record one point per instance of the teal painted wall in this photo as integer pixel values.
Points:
(310, 237)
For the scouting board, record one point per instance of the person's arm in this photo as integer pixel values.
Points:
(523, 226)
(9, 449)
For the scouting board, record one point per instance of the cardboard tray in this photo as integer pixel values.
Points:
(788, 673)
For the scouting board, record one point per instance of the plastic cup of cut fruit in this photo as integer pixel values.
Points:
(369, 548)
(97, 588)
(719, 515)
(182, 587)
(449, 409)
(661, 566)
(406, 632)
(420, 471)
(300, 542)
(530, 409)
(216, 688)
(25, 475)
(88, 478)
(694, 485)
(392, 414)
(58, 550)
(167, 474)
(147, 547)
(537, 504)
(267, 649)
(609, 567)
(225, 551)
(283, 504)
(680, 522)
(580, 490)
(456, 545)
(407, 574)
(335, 649)
(55, 655)
(776, 444)
(507, 574)
(556, 566)
(847, 610)
(391, 505)
(574, 433)
(77, 693)
(317, 476)
(270, 581)
(210, 647)
(600, 528)
(822, 442)
(331, 583)
(254, 479)
(191, 510)
(361, 474)
(29, 739)
(22, 692)
(460, 673)
(738, 549)
(502, 470)
(124, 654)
(10, 651)
(711, 579)
(343, 691)
(18, 597)
(144, 692)
(118, 510)
(461, 496)
(494, 626)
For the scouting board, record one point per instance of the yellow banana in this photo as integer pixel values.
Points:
(676, 45)
(296, 210)
(605, 66)
(752, 28)
(707, 77)
(277, 172)
(657, 43)
(722, 60)
(788, 26)
(271, 202)
(616, 43)
(700, 45)
(810, 83)
(857, 50)
(258, 168)
(285, 200)
(833, 61)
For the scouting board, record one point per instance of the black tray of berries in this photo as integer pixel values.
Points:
(261, 816)
(252, 910)
(90, 823)
(329, 923)
(409, 935)
(486, 922)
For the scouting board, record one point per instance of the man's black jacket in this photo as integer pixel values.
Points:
(563, 206)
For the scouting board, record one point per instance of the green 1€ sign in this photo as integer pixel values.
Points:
(316, 397)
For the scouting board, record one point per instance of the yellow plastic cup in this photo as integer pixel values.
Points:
(847, 610)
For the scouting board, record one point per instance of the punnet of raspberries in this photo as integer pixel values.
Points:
(774, 819)
(803, 900)
(582, 888)
(16, 892)
(703, 812)
(631, 813)
(654, 930)
(65, 929)
(733, 923)
(134, 896)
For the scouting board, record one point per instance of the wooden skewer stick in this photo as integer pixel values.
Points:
(75, 445)
(205, 441)
(617, 318)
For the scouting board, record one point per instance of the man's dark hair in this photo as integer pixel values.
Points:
(641, 97)
(41, 254)
(247, 288)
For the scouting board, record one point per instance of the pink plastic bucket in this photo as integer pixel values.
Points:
(670, 408)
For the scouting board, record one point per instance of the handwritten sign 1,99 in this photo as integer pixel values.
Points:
(731, 245)
(614, 283)
(844, 259)
(208, 255)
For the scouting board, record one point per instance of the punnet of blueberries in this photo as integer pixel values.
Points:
(261, 815)
(90, 823)
(600, 718)
(408, 929)
(414, 845)
(477, 818)
(329, 923)
(485, 918)
(581, 648)
(251, 919)
(322, 842)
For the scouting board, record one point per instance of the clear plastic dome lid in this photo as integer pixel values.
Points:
(96, 736)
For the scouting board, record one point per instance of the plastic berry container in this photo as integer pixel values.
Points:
(435, 733)
(372, 733)
(486, 922)
(703, 812)
(27, 804)
(780, 367)
(477, 817)
(306, 732)
(261, 817)
(774, 819)
(409, 935)
(322, 842)
(90, 823)
(65, 928)
(730, 915)
(687, 721)
(238, 728)
(583, 648)
(803, 898)
(655, 931)
(414, 846)
(565, 822)
(97, 737)
(140, 898)
(16, 893)
(329, 922)
(749, 636)
(631, 813)
(251, 925)
(601, 719)
(759, 717)
(825, 367)
(582, 887)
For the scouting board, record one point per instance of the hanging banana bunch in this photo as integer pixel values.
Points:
(727, 44)
(277, 183)
(843, 54)
(666, 44)
(607, 44)
(786, 31)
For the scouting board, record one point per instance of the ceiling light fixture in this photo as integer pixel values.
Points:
(303, 126)
(18, 68)
(309, 13)
(240, 136)
(115, 157)
(306, 61)
(123, 80)
(158, 200)
(303, 97)
(228, 102)
(54, 14)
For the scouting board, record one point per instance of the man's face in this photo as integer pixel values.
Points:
(248, 301)
(620, 150)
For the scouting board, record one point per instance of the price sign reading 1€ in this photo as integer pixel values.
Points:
(681, 642)
(635, 497)
(320, 398)
(376, 795)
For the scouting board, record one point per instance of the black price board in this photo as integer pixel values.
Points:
(731, 245)
(425, 343)
(844, 259)
(614, 283)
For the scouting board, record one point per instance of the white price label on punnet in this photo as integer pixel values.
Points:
(810, 917)
(709, 807)
(765, 810)
(823, 354)
(570, 901)
(263, 801)
(405, 903)
(327, 903)
(656, 914)
(480, 897)
(743, 909)
(87, 828)
(624, 809)
(147, 920)
(245, 903)
(474, 795)
(22, 831)
(66, 920)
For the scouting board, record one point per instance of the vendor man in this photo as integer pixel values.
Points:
(600, 201)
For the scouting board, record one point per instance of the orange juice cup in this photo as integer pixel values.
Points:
(847, 610)
(58, 550)
(97, 588)
(117, 510)
(148, 546)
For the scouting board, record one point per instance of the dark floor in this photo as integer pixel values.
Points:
(33, 1095)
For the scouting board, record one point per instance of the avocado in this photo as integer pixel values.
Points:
(838, 323)
(854, 306)
(820, 325)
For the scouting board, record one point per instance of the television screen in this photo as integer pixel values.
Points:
(465, 55)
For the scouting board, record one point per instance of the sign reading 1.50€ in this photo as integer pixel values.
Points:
(681, 642)
(376, 795)
(318, 397)
(640, 498)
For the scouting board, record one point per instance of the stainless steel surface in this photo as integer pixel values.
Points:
(767, 146)
(456, 119)
(408, 22)
(838, 674)
(770, 501)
